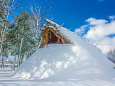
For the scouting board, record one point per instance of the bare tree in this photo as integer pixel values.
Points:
(37, 18)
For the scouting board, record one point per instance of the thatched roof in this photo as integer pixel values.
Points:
(51, 35)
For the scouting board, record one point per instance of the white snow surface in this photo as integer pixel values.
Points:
(56, 83)
(77, 61)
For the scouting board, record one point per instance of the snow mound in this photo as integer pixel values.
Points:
(65, 62)
(78, 60)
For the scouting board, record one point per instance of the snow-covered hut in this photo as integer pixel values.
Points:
(78, 60)
(51, 35)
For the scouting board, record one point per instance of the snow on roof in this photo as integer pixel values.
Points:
(51, 22)
(71, 36)
(63, 31)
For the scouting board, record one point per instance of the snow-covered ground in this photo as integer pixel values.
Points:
(7, 80)
(56, 83)
(5, 73)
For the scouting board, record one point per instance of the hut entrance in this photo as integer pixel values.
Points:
(53, 39)
(52, 36)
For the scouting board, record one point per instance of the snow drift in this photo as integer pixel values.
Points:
(78, 60)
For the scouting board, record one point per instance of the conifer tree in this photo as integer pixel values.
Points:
(21, 37)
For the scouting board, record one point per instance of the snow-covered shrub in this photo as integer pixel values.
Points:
(111, 55)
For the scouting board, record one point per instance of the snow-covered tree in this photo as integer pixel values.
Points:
(21, 37)
(6, 7)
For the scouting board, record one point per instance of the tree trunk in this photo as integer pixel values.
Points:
(14, 62)
(18, 61)
(2, 40)
(1, 50)
(19, 56)
(2, 66)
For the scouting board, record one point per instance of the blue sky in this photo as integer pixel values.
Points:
(73, 13)
(93, 19)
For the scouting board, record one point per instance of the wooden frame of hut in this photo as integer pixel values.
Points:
(51, 35)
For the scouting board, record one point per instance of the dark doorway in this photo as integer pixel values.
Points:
(52, 38)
